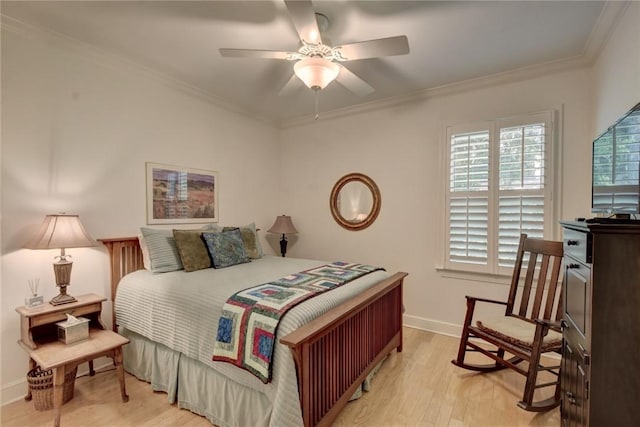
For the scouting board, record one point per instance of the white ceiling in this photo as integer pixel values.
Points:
(449, 41)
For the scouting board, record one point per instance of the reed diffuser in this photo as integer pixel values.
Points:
(34, 300)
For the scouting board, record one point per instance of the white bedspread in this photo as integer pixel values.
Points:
(180, 310)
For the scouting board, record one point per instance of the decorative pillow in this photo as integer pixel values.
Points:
(162, 250)
(146, 261)
(215, 228)
(251, 241)
(163, 253)
(226, 248)
(192, 249)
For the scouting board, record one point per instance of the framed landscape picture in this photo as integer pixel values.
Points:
(177, 195)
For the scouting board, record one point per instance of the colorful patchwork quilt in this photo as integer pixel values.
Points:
(249, 321)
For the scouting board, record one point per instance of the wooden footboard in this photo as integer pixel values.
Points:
(333, 354)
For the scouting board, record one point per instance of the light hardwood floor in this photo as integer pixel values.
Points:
(418, 387)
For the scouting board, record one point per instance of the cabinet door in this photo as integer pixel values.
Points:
(577, 291)
(575, 388)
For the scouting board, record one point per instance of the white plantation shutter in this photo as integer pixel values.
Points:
(522, 157)
(469, 164)
(468, 229)
(521, 187)
(517, 214)
(469, 201)
(497, 188)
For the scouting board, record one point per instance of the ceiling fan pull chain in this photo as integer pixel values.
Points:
(316, 100)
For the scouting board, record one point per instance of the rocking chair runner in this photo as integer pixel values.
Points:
(526, 331)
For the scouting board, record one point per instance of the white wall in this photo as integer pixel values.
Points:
(77, 129)
(617, 71)
(399, 147)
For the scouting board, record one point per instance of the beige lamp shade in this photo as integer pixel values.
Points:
(283, 225)
(61, 231)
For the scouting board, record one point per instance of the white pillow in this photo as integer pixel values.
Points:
(146, 260)
(163, 253)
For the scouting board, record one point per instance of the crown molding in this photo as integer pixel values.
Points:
(609, 17)
(611, 13)
(503, 77)
(121, 64)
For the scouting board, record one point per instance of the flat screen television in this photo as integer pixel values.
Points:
(616, 169)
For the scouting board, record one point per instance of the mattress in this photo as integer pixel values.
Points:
(180, 310)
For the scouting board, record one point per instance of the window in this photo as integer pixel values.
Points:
(499, 185)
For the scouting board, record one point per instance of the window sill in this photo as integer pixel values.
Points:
(476, 276)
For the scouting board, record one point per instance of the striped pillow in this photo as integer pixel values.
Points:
(163, 253)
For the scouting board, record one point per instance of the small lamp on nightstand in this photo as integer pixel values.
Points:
(61, 231)
(283, 225)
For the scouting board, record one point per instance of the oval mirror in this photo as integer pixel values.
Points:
(355, 201)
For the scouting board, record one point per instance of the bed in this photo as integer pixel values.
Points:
(326, 346)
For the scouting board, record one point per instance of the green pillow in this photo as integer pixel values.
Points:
(250, 239)
(192, 249)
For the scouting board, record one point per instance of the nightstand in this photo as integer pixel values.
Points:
(38, 324)
(39, 337)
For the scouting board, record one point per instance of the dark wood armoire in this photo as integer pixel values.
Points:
(600, 376)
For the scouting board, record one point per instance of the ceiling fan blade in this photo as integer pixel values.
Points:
(352, 82)
(257, 53)
(292, 85)
(389, 46)
(304, 19)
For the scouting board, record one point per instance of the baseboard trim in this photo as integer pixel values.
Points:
(436, 326)
(16, 390)
(444, 328)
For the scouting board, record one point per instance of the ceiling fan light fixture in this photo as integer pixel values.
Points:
(316, 72)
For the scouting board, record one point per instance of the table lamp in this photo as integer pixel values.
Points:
(283, 225)
(61, 231)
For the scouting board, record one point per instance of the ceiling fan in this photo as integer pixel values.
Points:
(317, 64)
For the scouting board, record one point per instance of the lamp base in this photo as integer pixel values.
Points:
(283, 245)
(62, 270)
(62, 297)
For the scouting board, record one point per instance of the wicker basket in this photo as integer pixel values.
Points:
(41, 387)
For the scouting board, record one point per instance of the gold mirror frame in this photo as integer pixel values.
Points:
(335, 205)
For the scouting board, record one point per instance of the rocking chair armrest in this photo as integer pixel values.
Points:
(556, 326)
(548, 325)
(492, 301)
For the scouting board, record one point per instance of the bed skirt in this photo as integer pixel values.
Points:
(193, 386)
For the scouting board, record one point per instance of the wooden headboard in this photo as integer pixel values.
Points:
(125, 256)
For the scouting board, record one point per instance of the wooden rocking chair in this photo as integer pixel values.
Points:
(526, 331)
